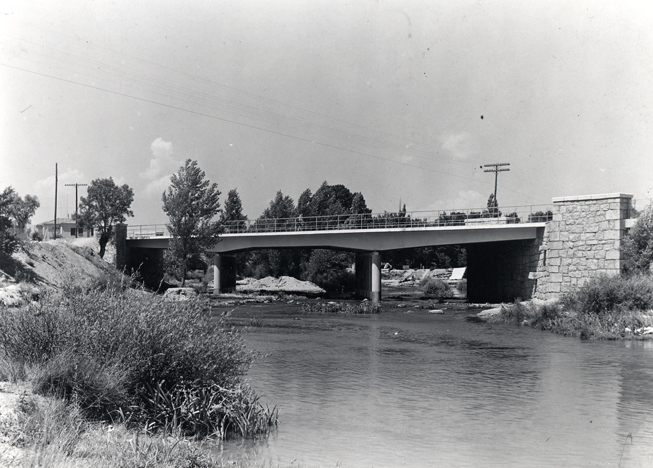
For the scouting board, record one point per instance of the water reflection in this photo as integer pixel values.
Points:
(424, 390)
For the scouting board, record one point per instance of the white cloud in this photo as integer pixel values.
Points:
(44, 190)
(162, 165)
(69, 176)
(457, 145)
(466, 199)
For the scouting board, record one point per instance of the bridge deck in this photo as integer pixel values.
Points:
(362, 239)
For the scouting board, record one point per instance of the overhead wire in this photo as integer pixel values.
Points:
(117, 76)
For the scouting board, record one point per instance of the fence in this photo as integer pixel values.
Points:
(401, 220)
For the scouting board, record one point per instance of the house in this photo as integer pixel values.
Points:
(66, 229)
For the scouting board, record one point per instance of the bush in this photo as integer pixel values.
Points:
(328, 270)
(638, 245)
(120, 355)
(604, 294)
(435, 287)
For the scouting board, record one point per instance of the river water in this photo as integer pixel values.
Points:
(409, 388)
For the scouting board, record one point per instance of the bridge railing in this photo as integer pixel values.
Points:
(398, 220)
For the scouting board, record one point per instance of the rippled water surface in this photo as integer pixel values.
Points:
(407, 388)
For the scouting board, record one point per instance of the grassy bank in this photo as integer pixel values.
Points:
(606, 307)
(114, 356)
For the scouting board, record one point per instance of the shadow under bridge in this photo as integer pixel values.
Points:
(500, 256)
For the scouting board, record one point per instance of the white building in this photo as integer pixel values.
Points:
(66, 229)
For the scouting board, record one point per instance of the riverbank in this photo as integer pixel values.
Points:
(38, 431)
(604, 308)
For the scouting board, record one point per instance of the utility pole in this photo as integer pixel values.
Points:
(56, 183)
(496, 171)
(76, 221)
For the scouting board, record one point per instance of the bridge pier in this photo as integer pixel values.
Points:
(224, 273)
(368, 275)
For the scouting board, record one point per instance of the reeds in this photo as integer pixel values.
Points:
(120, 355)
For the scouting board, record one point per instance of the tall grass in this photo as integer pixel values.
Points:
(124, 355)
(606, 307)
(56, 435)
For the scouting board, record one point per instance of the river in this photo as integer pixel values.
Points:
(409, 388)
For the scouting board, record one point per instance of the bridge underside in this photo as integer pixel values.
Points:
(500, 258)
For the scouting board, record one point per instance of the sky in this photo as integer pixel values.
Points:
(401, 100)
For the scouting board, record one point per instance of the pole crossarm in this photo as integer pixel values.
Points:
(496, 168)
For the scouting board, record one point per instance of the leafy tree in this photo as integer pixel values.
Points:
(271, 262)
(304, 207)
(540, 216)
(105, 205)
(638, 245)
(233, 212)
(23, 209)
(14, 211)
(191, 203)
(358, 205)
(233, 219)
(328, 269)
(8, 242)
(493, 206)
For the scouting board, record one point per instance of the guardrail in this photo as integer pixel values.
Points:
(400, 220)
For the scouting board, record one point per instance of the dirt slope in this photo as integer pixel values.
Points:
(48, 264)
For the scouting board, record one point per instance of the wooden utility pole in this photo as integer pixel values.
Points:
(76, 221)
(56, 183)
(496, 171)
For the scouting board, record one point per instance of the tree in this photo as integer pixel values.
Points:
(8, 242)
(493, 206)
(638, 245)
(105, 205)
(232, 216)
(23, 209)
(269, 262)
(191, 202)
(16, 212)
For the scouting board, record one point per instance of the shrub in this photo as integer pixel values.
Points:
(435, 287)
(328, 270)
(638, 245)
(604, 294)
(113, 352)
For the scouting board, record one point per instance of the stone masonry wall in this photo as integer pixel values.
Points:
(581, 241)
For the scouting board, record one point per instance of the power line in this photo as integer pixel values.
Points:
(170, 106)
(496, 171)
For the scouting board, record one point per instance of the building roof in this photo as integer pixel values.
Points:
(59, 221)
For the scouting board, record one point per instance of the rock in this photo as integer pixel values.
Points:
(282, 284)
(401, 305)
(486, 314)
(179, 294)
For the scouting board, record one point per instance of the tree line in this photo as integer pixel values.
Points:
(196, 219)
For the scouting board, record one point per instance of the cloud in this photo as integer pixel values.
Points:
(457, 145)
(44, 191)
(162, 165)
(69, 176)
(466, 199)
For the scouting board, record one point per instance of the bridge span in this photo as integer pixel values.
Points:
(507, 255)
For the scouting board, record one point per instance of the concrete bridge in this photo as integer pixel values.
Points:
(533, 252)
